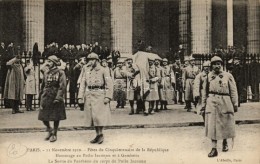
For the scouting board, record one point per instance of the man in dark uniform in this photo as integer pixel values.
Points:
(237, 72)
(177, 68)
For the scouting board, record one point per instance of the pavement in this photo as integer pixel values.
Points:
(176, 116)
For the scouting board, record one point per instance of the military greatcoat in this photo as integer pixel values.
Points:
(53, 88)
(219, 102)
(96, 84)
(189, 74)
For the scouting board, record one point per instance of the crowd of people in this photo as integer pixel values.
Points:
(99, 76)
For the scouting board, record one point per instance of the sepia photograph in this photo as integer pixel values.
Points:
(129, 81)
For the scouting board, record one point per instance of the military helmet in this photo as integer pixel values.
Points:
(216, 59)
(55, 60)
(93, 55)
(206, 64)
(165, 60)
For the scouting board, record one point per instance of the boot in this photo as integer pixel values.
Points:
(49, 130)
(132, 111)
(100, 139)
(224, 146)
(54, 136)
(95, 140)
(213, 153)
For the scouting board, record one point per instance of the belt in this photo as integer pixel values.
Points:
(221, 94)
(95, 87)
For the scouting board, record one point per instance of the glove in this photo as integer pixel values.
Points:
(55, 101)
(81, 106)
(235, 108)
(106, 100)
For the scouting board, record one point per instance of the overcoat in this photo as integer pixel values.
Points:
(95, 85)
(152, 94)
(53, 88)
(14, 84)
(167, 92)
(30, 83)
(189, 74)
(133, 84)
(219, 103)
(119, 84)
(198, 88)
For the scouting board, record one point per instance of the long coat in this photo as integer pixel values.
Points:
(119, 84)
(198, 88)
(152, 94)
(133, 86)
(14, 84)
(167, 92)
(189, 74)
(219, 103)
(53, 88)
(95, 85)
(30, 83)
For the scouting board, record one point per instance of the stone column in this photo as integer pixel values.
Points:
(33, 24)
(253, 26)
(184, 25)
(121, 26)
(230, 22)
(201, 26)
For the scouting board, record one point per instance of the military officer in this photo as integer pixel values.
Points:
(152, 94)
(178, 69)
(120, 84)
(167, 81)
(158, 68)
(133, 86)
(188, 77)
(30, 84)
(198, 87)
(96, 88)
(53, 89)
(220, 100)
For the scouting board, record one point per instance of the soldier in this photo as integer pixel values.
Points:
(198, 87)
(167, 81)
(53, 89)
(14, 83)
(133, 88)
(152, 94)
(158, 70)
(178, 69)
(220, 100)
(238, 72)
(120, 84)
(30, 84)
(188, 77)
(96, 88)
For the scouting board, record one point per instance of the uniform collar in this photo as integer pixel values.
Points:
(97, 68)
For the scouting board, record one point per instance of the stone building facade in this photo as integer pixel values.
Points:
(199, 25)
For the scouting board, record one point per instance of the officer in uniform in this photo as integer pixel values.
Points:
(133, 86)
(158, 68)
(152, 94)
(178, 69)
(198, 87)
(167, 81)
(189, 74)
(220, 101)
(53, 90)
(120, 84)
(96, 91)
